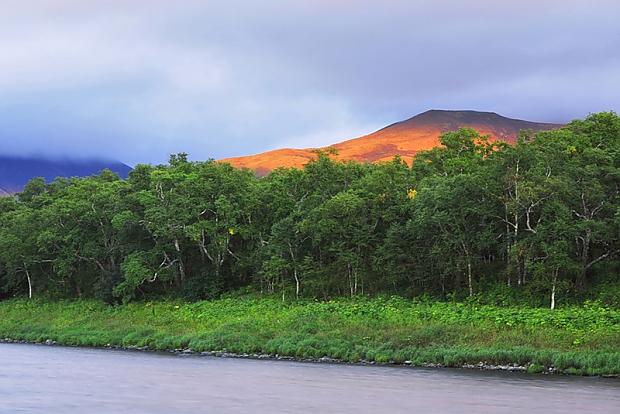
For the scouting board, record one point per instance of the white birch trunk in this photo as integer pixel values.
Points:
(553, 284)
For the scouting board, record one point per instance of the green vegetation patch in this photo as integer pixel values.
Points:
(576, 339)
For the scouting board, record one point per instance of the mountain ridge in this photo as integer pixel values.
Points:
(404, 138)
(16, 171)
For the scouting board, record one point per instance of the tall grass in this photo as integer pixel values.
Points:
(578, 340)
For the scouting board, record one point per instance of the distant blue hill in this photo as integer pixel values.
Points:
(15, 172)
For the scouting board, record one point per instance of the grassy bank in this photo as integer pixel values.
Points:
(577, 340)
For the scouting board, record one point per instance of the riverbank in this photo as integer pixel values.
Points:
(581, 340)
(57, 379)
(323, 360)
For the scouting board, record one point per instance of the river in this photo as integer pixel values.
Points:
(50, 379)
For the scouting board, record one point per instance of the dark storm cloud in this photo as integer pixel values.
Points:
(133, 81)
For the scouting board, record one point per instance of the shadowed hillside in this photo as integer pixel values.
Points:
(15, 172)
(404, 138)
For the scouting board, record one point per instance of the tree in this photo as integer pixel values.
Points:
(18, 247)
(340, 227)
(542, 216)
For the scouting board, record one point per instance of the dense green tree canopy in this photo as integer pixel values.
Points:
(540, 219)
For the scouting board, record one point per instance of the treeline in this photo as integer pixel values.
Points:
(540, 218)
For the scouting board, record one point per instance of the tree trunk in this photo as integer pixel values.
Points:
(29, 283)
(350, 280)
(553, 283)
(585, 255)
(469, 282)
(295, 275)
(297, 283)
(177, 247)
(469, 276)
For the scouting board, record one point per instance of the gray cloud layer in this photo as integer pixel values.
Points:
(136, 80)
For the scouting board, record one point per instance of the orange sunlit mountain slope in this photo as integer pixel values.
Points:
(403, 138)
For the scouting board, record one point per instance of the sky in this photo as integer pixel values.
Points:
(138, 80)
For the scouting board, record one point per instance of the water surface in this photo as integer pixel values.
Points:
(44, 379)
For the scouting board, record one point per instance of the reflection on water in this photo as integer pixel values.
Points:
(41, 379)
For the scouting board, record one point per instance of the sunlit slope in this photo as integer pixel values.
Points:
(404, 138)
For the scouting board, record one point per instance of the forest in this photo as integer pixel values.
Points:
(537, 222)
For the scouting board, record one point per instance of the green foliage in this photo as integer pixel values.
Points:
(535, 223)
(581, 340)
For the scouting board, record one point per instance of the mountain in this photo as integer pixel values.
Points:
(15, 172)
(405, 138)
